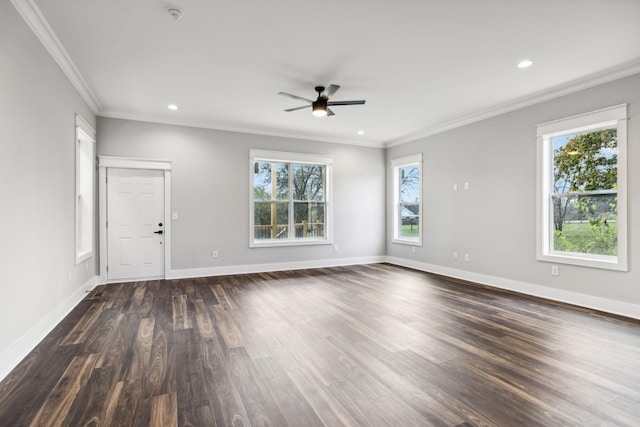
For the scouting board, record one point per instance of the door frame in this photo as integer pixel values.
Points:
(108, 162)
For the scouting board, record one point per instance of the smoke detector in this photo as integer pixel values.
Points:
(175, 14)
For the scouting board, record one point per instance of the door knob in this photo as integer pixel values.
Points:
(157, 232)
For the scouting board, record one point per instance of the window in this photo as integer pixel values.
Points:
(290, 199)
(85, 172)
(407, 200)
(582, 215)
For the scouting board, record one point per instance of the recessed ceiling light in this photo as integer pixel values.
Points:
(525, 63)
(172, 107)
(360, 132)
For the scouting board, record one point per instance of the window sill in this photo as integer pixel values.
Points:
(602, 261)
(285, 243)
(83, 256)
(410, 242)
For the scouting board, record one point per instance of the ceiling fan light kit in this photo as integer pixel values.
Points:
(320, 107)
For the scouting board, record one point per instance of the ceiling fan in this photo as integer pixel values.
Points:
(320, 107)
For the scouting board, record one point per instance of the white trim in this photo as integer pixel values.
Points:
(12, 356)
(85, 127)
(289, 157)
(274, 243)
(84, 227)
(106, 162)
(292, 158)
(615, 116)
(606, 76)
(40, 27)
(263, 268)
(621, 308)
(578, 123)
(396, 165)
(134, 163)
(224, 127)
(408, 160)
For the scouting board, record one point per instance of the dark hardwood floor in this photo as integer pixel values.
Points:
(373, 345)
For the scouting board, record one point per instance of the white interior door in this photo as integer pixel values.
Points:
(135, 224)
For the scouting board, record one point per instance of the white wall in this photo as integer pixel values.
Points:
(38, 275)
(210, 185)
(495, 221)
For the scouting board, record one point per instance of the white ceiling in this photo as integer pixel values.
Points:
(422, 65)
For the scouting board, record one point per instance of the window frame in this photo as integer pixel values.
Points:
(396, 165)
(292, 158)
(85, 173)
(615, 116)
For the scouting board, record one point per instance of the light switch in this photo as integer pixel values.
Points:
(174, 216)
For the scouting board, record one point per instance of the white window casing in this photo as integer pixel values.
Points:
(608, 118)
(262, 156)
(84, 190)
(397, 166)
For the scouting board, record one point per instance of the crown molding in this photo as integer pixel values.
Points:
(606, 76)
(160, 119)
(39, 25)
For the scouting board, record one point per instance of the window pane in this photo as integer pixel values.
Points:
(308, 182)
(410, 184)
(270, 181)
(585, 224)
(584, 197)
(271, 220)
(585, 162)
(309, 219)
(410, 220)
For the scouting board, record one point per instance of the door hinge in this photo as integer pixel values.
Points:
(107, 268)
(106, 224)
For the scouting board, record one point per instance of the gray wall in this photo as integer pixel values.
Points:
(37, 125)
(495, 221)
(210, 184)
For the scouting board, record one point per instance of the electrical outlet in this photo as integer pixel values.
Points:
(335, 248)
(466, 257)
(455, 256)
(555, 270)
(466, 186)
(455, 187)
(214, 254)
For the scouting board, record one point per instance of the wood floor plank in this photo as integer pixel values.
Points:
(21, 402)
(327, 407)
(255, 395)
(90, 408)
(224, 398)
(55, 409)
(141, 354)
(164, 411)
(367, 345)
(79, 333)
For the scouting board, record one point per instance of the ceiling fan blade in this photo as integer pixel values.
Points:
(328, 92)
(297, 108)
(358, 102)
(330, 113)
(295, 97)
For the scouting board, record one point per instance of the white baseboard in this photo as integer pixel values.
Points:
(263, 268)
(13, 355)
(582, 300)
